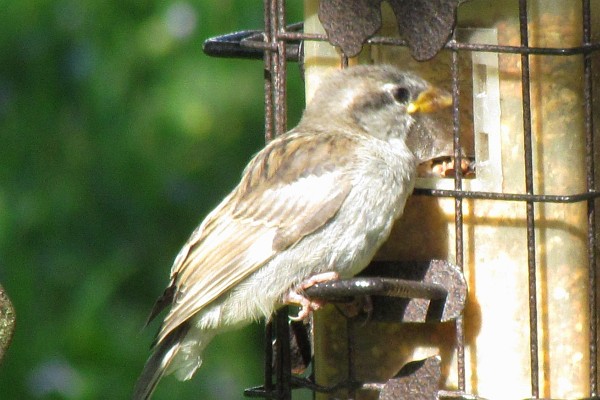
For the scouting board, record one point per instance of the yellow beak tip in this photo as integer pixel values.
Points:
(429, 101)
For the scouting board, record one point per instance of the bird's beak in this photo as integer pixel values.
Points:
(430, 100)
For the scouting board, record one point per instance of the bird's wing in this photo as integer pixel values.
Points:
(289, 190)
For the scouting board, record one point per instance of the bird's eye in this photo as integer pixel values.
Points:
(401, 94)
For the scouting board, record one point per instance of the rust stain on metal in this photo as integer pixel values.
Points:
(418, 380)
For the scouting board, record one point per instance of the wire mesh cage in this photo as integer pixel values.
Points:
(519, 229)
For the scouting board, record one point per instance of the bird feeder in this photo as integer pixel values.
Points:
(517, 232)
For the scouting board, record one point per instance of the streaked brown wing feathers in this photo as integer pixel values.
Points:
(271, 209)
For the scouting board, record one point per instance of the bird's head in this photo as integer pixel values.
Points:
(382, 100)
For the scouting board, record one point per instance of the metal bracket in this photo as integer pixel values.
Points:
(250, 44)
(432, 291)
(417, 380)
(425, 25)
(416, 292)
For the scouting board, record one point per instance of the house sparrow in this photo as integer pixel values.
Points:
(315, 204)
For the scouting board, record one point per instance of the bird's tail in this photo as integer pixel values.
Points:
(156, 366)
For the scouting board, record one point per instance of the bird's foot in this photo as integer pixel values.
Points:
(296, 295)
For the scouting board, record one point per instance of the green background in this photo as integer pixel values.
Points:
(117, 136)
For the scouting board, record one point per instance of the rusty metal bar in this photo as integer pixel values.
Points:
(247, 44)
(240, 45)
(344, 61)
(591, 205)
(275, 65)
(458, 212)
(369, 286)
(535, 198)
(530, 210)
(283, 361)
(268, 75)
(454, 45)
(351, 345)
(278, 21)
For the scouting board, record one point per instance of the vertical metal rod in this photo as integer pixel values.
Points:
(268, 98)
(344, 61)
(268, 73)
(280, 69)
(458, 211)
(527, 136)
(283, 371)
(268, 369)
(350, 331)
(275, 67)
(591, 207)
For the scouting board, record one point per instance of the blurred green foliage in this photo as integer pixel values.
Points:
(117, 135)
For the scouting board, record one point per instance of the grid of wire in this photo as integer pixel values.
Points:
(275, 45)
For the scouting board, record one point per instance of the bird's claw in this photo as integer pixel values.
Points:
(307, 306)
(296, 296)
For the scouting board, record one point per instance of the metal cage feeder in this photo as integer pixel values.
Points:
(520, 233)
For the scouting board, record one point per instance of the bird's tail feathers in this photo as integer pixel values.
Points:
(163, 354)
